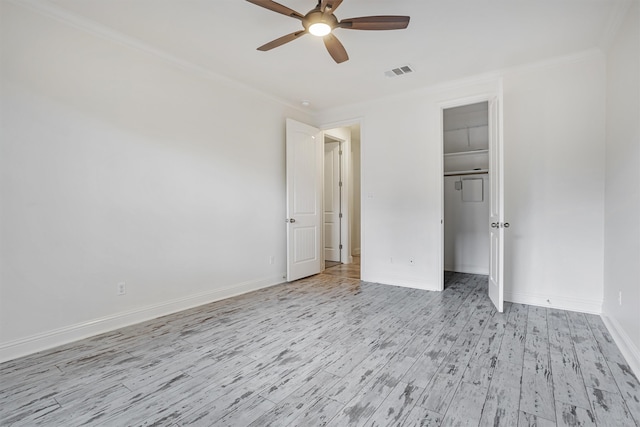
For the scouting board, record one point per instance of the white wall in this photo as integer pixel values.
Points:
(466, 232)
(554, 183)
(402, 183)
(554, 145)
(622, 202)
(120, 166)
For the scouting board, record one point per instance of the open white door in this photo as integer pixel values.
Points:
(332, 202)
(496, 212)
(304, 148)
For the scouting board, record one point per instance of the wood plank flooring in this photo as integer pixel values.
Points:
(330, 350)
(344, 270)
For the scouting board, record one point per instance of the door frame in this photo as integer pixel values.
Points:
(452, 103)
(327, 138)
(347, 190)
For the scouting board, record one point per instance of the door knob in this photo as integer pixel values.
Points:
(292, 220)
(506, 225)
(494, 225)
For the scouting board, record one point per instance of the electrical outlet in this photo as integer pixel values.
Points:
(619, 297)
(122, 288)
(272, 259)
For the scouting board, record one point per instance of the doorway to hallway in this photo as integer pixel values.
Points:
(341, 199)
(352, 270)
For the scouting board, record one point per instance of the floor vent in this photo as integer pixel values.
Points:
(400, 71)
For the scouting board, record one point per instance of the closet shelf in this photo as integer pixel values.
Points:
(465, 153)
(467, 172)
(465, 127)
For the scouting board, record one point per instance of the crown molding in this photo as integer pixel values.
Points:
(614, 22)
(46, 8)
(96, 29)
(493, 77)
(555, 61)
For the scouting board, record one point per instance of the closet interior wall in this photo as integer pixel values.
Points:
(466, 188)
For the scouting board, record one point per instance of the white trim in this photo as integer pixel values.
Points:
(404, 283)
(107, 33)
(343, 124)
(489, 77)
(348, 194)
(92, 27)
(628, 349)
(345, 200)
(469, 269)
(553, 62)
(345, 192)
(551, 301)
(54, 338)
(484, 96)
(614, 22)
(436, 88)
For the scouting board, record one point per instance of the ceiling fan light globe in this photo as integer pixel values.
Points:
(319, 29)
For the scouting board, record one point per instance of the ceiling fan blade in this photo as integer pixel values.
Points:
(282, 40)
(375, 23)
(335, 48)
(332, 5)
(277, 7)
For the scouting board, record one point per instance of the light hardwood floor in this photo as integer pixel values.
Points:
(344, 270)
(334, 351)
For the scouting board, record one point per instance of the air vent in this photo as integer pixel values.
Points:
(400, 71)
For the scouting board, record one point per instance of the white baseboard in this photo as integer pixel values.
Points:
(54, 338)
(628, 349)
(471, 269)
(396, 281)
(550, 301)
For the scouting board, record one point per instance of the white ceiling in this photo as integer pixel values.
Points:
(445, 40)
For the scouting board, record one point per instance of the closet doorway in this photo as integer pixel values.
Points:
(466, 188)
(473, 192)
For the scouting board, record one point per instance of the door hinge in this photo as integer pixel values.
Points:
(340, 215)
(340, 184)
(340, 246)
(340, 152)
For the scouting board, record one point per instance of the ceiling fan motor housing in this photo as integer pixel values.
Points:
(315, 17)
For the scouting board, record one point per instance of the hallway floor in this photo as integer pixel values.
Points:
(351, 271)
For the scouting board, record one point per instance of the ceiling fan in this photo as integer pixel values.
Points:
(321, 22)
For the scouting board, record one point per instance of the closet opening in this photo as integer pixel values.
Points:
(466, 189)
